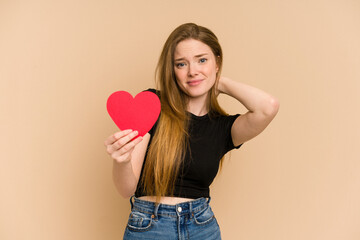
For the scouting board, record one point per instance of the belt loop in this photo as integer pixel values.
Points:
(157, 205)
(191, 210)
(131, 201)
(208, 201)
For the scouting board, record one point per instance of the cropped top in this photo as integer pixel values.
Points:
(209, 140)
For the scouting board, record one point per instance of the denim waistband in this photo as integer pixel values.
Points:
(180, 209)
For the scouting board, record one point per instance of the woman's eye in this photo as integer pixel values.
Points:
(202, 60)
(179, 65)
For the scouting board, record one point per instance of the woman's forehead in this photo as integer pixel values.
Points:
(191, 48)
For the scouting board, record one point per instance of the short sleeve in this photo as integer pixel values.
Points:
(152, 90)
(229, 121)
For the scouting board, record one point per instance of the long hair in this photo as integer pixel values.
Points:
(170, 141)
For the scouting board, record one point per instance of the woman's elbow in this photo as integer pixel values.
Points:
(127, 195)
(272, 107)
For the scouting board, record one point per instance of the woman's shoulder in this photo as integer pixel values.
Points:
(153, 90)
(219, 115)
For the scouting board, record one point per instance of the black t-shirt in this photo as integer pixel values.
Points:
(209, 140)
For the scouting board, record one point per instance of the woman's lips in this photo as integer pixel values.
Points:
(194, 82)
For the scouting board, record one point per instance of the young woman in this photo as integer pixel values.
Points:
(168, 171)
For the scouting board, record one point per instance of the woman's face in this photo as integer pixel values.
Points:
(195, 68)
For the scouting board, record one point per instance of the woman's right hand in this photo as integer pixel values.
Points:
(120, 145)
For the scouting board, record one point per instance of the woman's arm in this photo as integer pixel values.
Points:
(128, 157)
(262, 109)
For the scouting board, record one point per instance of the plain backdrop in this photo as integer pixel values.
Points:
(60, 60)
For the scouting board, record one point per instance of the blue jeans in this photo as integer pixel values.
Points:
(188, 220)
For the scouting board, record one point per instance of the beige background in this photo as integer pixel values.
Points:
(60, 60)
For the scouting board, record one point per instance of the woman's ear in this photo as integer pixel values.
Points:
(217, 63)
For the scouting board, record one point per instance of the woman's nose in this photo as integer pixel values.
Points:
(193, 69)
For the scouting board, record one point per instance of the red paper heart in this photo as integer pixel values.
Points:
(139, 113)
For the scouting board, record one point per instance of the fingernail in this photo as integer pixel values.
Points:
(136, 132)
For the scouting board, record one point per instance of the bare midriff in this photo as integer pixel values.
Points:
(166, 200)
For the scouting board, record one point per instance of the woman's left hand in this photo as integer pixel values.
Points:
(220, 86)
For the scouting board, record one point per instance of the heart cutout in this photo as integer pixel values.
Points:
(139, 113)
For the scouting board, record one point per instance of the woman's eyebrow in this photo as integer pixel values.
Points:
(196, 56)
(201, 55)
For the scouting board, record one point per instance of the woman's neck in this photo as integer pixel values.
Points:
(198, 106)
